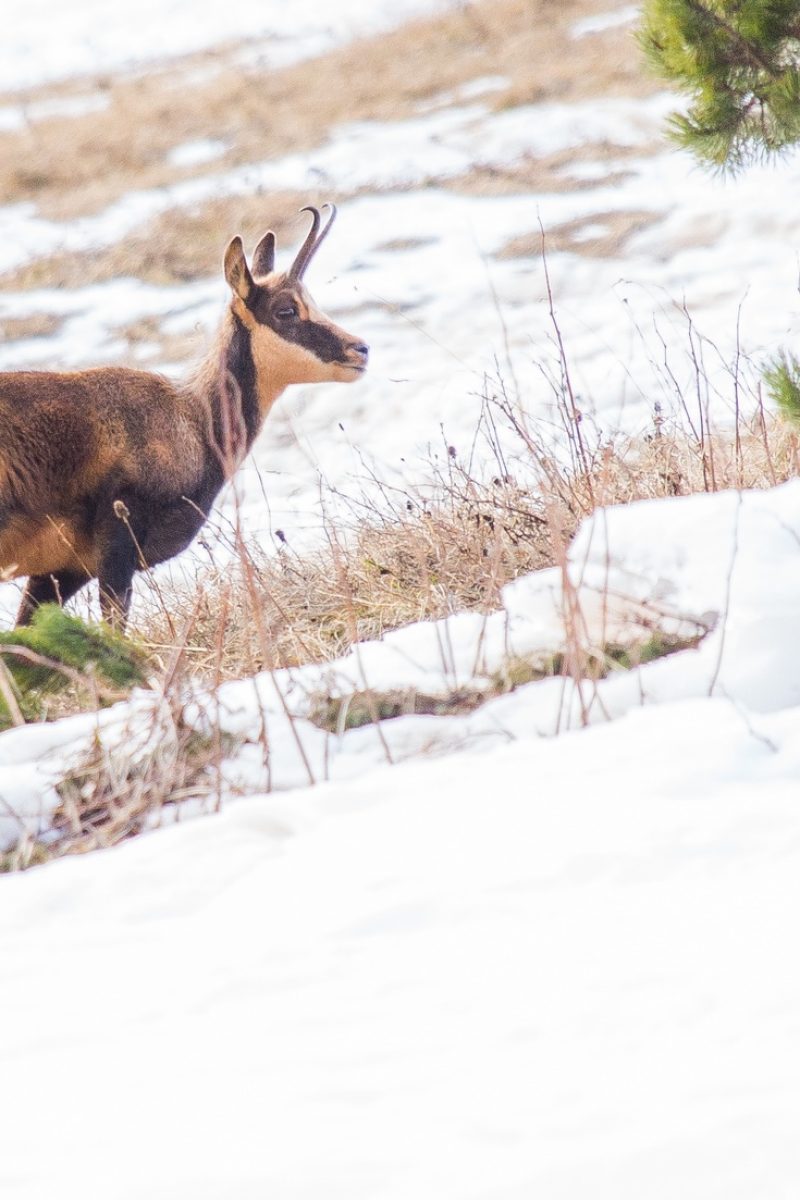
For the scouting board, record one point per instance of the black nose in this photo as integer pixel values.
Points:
(361, 349)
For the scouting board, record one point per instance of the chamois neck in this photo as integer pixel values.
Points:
(236, 392)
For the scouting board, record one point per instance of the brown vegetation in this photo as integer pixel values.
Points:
(452, 549)
(423, 557)
(79, 165)
(600, 235)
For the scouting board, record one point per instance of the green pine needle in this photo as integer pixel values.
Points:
(738, 62)
(782, 380)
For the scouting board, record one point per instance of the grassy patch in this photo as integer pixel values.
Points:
(113, 794)
(658, 645)
(448, 549)
(180, 245)
(36, 325)
(340, 713)
(599, 235)
(337, 714)
(423, 558)
(59, 652)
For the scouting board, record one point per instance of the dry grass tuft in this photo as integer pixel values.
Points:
(452, 548)
(419, 561)
(421, 557)
(598, 235)
(36, 325)
(113, 794)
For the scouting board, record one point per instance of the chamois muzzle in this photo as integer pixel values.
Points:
(357, 356)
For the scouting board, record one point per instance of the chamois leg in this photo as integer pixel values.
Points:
(120, 559)
(48, 589)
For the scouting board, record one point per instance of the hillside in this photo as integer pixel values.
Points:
(465, 781)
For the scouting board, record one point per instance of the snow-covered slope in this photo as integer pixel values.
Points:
(717, 574)
(564, 968)
(538, 947)
(45, 41)
(423, 273)
(553, 966)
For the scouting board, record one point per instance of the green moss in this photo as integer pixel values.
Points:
(337, 713)
(59, 640)
(657, 646)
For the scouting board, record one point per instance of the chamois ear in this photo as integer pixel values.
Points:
(237, 272)
(264, 255)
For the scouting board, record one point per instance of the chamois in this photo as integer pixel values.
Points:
(107, 471)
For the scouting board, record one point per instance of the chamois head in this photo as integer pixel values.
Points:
(294, 340)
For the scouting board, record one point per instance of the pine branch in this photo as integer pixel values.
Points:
(750, 53)
(739, 60)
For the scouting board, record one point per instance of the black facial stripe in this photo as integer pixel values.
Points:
(319, 339)
(311, 335)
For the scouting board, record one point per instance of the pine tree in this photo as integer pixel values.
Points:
(739, 60)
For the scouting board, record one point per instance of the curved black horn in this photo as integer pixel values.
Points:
(313, 242)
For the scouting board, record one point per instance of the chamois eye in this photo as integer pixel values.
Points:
(287, 313)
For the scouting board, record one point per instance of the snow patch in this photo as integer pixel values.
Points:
(17, 116)
(604, 21)
(43, 42)
(196, 153)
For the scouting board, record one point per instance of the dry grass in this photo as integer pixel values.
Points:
(453, 549)
(599, 235)
(546, 173)
(79, 165)
(184, 244)
(453, 553)
(37, 325)
(421, 558)
(179, 246)
(113, 793)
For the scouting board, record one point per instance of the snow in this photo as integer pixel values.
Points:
(191, 154)
(701, 251)
(17, 116)
(44, 42)
(559, 968)
(610, 20)
(541, 947)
